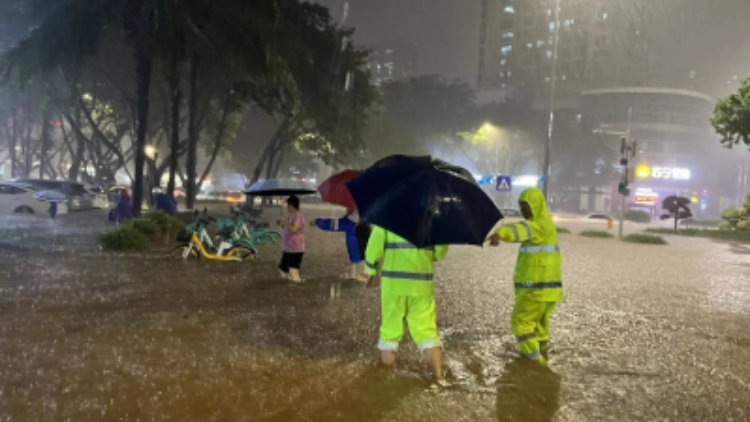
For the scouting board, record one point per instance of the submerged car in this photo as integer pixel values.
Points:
(18, 198)
(79, 198)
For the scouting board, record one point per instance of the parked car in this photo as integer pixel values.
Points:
(99, 197)
(78, 197)
(17, 198)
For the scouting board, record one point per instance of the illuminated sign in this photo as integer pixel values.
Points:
(670, 173)
(643, 171)
(645, 197)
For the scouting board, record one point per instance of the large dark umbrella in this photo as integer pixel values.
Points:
(280, 187)
(425, 200)
(334, 189)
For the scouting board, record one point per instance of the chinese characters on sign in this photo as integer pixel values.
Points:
(670, 173)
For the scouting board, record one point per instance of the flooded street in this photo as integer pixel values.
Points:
(645, 333)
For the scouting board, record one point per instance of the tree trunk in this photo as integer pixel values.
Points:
(46, 118)
(217, 141)
(192, 147)
(269, 150)
(12, 146)
(143, 77)
(175, 141)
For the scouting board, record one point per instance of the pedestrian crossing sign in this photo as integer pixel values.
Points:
(503, 183)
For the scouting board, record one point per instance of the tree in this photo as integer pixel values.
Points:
(731, 117)
(678, 208)
(323, 95)
(70, 33)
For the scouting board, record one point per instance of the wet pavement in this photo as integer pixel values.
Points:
(645, 333)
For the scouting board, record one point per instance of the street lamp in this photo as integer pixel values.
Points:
(151, 152)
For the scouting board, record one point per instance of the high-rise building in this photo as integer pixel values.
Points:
(601, 44)
(393, 60)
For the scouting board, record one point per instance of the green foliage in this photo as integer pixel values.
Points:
(730, 213)
(743, 225)
(597, 233)
(562, 230)
(124, 238)
(638, 216)
(731, 117)
(645, 238)
(725, 225)
(165, 222)
(146, 226)
(733, 235)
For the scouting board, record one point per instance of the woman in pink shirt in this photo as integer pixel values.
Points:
(293, 228)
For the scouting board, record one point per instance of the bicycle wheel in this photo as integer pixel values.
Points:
(179, 253)
(241, 252)
(264, 239)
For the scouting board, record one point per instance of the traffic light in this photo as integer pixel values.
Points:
(623, 189)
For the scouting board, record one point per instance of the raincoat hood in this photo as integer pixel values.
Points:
(535, 198)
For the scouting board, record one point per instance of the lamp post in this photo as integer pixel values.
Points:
(551, 125)
(153, 155)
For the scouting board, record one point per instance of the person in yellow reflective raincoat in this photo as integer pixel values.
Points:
(406, 284)
(537, 278)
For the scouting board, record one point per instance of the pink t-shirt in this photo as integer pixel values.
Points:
(295, 242)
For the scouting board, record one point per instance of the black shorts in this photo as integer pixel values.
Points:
(291, 260)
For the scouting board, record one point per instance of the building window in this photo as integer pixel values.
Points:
(507, 35)
(506, 50)
(509, 73)
(509, 10)
(503, 62)
(539, 43)
(549, 54)
(529, 45)
(551, 27)
(389, 51)
(605, 15)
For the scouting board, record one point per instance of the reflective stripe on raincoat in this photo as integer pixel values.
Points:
(406, 270)
(538, 268)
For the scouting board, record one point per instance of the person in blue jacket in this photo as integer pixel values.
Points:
(348, 224)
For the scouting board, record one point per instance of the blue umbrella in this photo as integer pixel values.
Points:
(280, 187)
(51, 196)
(425, 200)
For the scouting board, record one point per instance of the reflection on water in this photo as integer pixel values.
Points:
(527, 392)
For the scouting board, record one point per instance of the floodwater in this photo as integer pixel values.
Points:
(645, 333)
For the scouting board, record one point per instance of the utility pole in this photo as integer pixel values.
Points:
(548, 147)
(627, 152)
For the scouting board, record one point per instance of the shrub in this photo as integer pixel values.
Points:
(597, 233)
(562, 230)
(730, 213)
(743, 225)
(124, 238)
(145, 226)
(638, 216)
(166, 222)
(725, 225)
(645, 238)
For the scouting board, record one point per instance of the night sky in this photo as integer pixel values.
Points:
(706, 35)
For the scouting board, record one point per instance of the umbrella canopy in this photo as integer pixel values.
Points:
(334, 189)
(280, 187)
(50, 196)
(425, 200)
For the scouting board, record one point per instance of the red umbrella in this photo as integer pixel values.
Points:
(334, 189)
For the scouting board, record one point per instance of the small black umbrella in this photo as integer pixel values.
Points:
(425, 200)
(280, 187)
